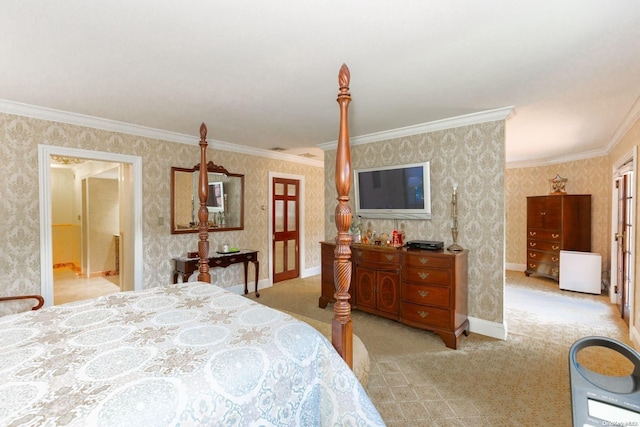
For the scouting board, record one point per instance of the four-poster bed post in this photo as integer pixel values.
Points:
(341, 326)
(203, 212)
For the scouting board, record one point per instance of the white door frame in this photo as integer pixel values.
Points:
(301, 198)
(46, 252)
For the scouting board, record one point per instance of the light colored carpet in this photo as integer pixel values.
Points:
(524, 381)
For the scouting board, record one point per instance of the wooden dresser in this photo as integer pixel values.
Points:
(556, 223)
(423, 289)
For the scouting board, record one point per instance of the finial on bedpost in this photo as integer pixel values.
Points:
(203, 212)
(341, 326)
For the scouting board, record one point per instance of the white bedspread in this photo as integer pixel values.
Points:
(188, 354)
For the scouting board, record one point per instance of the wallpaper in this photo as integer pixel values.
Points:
(590, 176)
(19, 228)
(471, 157)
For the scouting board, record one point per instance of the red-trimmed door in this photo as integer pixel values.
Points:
(285, 226)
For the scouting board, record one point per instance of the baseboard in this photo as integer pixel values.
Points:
(239, 289)
(315, 271)
(489, 329)
(515, 267)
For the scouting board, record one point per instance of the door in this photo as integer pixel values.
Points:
(623, 249)
(286, 228)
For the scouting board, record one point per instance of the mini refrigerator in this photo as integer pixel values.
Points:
(580, 271)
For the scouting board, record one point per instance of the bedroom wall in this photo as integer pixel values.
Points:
(589, 176)
(471, 156)
(19, 248)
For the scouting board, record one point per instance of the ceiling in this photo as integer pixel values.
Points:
(263, 74)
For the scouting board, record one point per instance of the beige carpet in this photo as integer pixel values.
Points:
(524, 381)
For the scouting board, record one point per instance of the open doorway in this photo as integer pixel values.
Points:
(85, 214)
(130, 263)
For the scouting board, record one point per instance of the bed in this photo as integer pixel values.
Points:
(185, 354)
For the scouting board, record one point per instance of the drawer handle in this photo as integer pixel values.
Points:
(555, 236)
(423, 275)
(532, 244)
(249, 256)
(532, 265)
(555, 248)
(532, 233)
(218, 261)
(232, 259)
(389, 257)
(423, 293)
(424, 260)
(359, 253)
(555, 259)
(532, 255)
(423, 314)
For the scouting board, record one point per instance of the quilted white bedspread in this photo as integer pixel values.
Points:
(187, 354)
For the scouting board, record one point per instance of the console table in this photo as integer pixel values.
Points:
(186, 266)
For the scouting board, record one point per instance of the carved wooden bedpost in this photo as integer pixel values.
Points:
(341, 326)
(203, 212)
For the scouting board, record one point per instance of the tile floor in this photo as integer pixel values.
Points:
(68, 287)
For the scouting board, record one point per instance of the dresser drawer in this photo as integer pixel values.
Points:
(543, 235)
(431, 316)
(546, 257)
(424, 294)
(427, 276)
(543, 246)
(423, 260)
(543, 269)
(376, 256)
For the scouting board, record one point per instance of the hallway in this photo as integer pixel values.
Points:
(68, 287)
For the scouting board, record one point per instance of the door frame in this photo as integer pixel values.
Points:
(301, 212)
(46, 251)
(629, 157)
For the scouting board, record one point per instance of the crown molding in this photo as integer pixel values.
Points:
(450, 123)
(556, 160)
(632, 116)
(52, 115)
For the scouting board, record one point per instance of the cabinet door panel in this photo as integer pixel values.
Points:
(535, 212)
(365, 287)
(388, 292)
(553, 213)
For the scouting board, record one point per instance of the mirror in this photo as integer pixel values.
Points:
(225, 201)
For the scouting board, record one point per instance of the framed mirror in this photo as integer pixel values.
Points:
(225, 202)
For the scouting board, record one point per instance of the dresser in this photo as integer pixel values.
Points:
(556, 223)
(419, 288)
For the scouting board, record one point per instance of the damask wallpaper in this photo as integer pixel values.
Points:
(471, 157)
(19, 227)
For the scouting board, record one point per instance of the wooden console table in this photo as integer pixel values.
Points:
(186, 266)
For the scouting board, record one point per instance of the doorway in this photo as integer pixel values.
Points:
(85, 211)
(130, 220)
(286, 226)
(622, 253)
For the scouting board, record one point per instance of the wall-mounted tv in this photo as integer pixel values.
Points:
(401, 191)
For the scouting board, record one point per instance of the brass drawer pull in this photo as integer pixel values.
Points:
(555, 248)
(389, 257)
(423, 293)
(232, 259)
(555, 259)
(533, 265)
(532, 233)
(359, 253)
(532, 244)
(424, 260)
(423, 275)
(532, 255)
(555, 236)
(423, 314)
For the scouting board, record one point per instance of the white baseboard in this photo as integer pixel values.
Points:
(515, 267)
(310, 272)
(489, 329)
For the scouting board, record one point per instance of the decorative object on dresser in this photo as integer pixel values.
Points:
(556, 223)
(557, 185)
(454, 247)
(426, 289)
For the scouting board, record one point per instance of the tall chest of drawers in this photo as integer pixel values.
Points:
(556, 223)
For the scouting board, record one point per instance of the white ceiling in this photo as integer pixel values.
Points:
(264, 73)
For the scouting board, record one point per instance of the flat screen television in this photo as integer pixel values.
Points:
(401, 191)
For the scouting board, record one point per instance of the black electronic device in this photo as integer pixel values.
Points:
(602, 400)
(425, 244)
